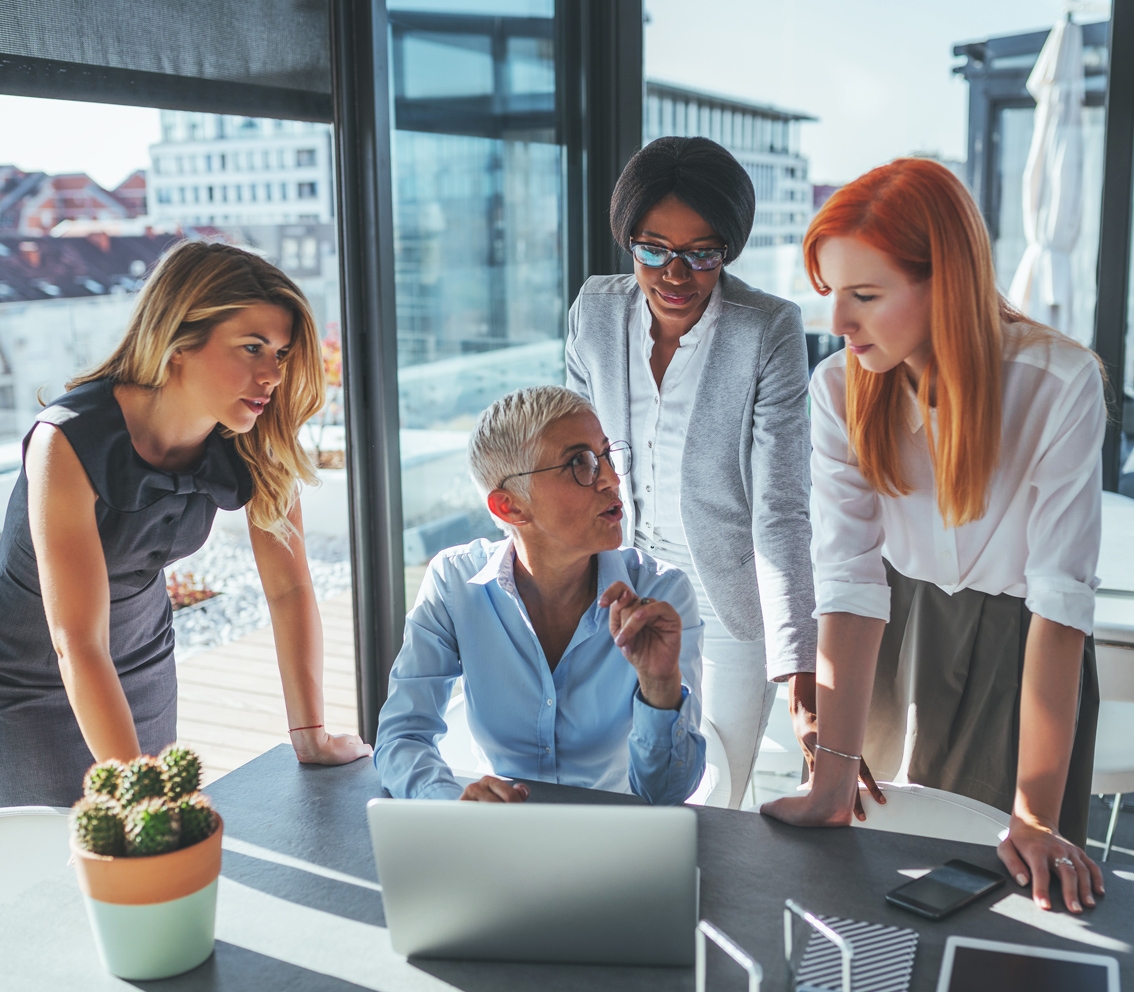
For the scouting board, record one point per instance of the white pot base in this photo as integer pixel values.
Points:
(157, 940)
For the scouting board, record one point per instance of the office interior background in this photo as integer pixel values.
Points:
(435, 175)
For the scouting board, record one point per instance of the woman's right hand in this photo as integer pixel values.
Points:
(805, 723)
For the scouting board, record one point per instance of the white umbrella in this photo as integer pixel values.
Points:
(1053, 181)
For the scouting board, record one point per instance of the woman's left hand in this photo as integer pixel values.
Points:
(314, 746)
(1033, 851)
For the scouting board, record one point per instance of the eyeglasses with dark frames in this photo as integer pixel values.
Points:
(658, 257)
(585, 465)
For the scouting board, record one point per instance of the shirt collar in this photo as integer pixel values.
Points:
(501, 568)
(694, 335)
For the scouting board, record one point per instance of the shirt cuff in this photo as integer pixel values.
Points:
(441, 790)
(662, 729)
(864, 599)
(1062, 600)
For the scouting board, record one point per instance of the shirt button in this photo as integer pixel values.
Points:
(547, 750)
(680, 732)
(549, 702)
(648, 489)
(169, 518)
(155, 554)
(649, 444)
(680, 762)
(656, 400)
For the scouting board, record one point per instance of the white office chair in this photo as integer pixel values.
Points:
(925, 812)
(461, 754)
(1114, 739)
(33, 846)
(457, 747)
(716, 784)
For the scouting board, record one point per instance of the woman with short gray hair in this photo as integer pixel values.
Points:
(707, 377)
(580, 662)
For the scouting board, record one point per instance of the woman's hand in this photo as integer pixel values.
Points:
(805, 723)
(1034, 851)
(648, 632)
(491, 789)
(314, 746)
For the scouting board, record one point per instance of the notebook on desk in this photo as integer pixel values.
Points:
(537, 882)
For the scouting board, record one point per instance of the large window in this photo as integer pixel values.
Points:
(478, 224)
(82, 222)
(941, 82)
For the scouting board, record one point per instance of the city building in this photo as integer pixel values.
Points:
(763, 138)
(33, 204)
(64, 304)
(217, 169)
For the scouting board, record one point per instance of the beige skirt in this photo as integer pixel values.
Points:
(946, 706)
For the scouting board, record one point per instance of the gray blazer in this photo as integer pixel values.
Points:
(745, 473)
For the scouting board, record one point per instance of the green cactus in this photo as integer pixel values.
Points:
(96, 825)
(102, 779)
(142, 778)
(152, 827)
(198, 818)
(182, 771)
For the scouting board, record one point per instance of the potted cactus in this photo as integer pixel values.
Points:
(147, 847)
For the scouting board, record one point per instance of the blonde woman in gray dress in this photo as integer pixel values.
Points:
(198, 409)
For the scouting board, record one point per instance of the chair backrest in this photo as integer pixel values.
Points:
(715, 788)
(457, 747)
(924, 812)
(33, 846)
(1115, 664)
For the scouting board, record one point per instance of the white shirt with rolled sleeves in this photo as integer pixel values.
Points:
(1039, 538)
(584, 724)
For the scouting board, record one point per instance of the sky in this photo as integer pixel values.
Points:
(877, 74)
(57, 136)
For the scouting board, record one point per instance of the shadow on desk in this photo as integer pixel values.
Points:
(300, 904)
(235, 969)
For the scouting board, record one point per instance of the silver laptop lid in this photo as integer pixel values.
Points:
(537, 882)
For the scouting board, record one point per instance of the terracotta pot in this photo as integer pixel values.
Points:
(152, 917)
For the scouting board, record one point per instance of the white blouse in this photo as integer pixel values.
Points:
(1039, 538)
(659, 421)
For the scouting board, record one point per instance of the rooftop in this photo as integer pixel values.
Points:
(656, 87)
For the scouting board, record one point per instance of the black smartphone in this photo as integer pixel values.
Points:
(945, 890)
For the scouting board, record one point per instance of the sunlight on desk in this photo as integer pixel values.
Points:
(1058, 923)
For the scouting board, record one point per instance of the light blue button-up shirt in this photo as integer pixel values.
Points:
(585, 724)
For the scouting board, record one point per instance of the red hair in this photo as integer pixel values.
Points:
(922, 216)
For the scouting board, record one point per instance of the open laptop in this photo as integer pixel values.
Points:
(537, 882)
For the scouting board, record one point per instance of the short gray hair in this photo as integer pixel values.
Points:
(506, 437)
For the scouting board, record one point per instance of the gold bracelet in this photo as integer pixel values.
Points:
(831, 750)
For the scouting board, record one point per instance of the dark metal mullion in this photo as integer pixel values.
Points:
(360, 67)
(1114, 228)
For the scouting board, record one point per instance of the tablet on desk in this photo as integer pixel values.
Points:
(972, 965)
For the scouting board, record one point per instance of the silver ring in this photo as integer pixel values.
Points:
(1062, 861)
(644, 601)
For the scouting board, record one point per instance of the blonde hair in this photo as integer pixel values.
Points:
(195, 286)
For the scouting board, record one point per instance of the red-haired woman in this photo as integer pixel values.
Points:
(956, 507)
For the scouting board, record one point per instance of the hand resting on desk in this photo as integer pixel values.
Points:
(491, 789)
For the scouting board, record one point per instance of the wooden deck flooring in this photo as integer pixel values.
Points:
(230, 703)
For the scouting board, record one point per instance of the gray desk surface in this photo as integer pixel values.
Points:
(300, 909)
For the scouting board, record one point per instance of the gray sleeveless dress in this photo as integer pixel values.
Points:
(147, 518)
